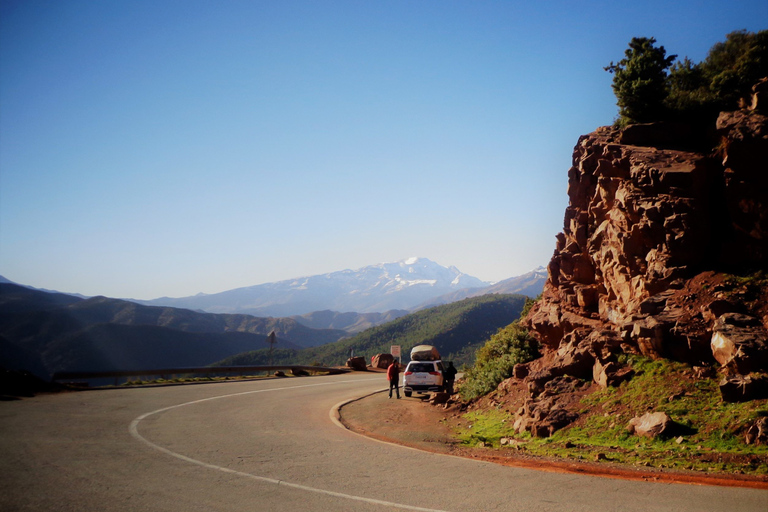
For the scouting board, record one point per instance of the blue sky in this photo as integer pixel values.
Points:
(165, 148)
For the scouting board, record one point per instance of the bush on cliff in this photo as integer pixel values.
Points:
(726, 76)
(495, 360)
(648, 87)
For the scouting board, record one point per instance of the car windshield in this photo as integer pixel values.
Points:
(422, 367)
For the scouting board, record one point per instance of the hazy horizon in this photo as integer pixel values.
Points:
(294, 278)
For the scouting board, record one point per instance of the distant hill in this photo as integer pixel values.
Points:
(376, 288)
(46, 332)
(457, 330)
(349, 322)
(4, 280)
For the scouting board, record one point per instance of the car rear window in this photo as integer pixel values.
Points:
(422, 367)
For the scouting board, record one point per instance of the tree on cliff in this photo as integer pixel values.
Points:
(649, 87)
(726, 76)
(640, 81)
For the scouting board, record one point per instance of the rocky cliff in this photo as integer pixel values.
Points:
(662, 253)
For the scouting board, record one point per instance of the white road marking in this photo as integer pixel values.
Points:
(134, 430)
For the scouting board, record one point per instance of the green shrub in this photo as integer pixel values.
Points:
(495, 360)
(640, 80)
(649, 87)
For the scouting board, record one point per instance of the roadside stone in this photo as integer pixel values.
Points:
(279, 373)
(651, 424)
(382, 360)
(357, 364)
(512, 443)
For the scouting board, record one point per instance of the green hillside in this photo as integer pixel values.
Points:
(457, 330)
(45, 332)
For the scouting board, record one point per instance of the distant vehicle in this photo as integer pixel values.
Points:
(423, 377)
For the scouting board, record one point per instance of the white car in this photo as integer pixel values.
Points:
(423, 377)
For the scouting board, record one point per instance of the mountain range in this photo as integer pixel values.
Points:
(44, 332)
(384, 288)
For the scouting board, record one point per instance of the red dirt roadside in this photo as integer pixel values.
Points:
(416, 423)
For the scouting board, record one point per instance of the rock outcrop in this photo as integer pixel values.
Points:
(651, 229)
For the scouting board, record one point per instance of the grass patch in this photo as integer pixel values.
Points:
(708, 435)
(487, 427)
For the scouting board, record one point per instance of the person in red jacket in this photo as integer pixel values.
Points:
(393, 374)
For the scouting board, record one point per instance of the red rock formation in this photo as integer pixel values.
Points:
(648, 231)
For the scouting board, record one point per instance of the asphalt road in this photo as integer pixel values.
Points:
(272, 445)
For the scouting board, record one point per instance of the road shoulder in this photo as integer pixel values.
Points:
(416, 423)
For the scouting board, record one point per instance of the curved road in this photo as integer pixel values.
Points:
(272, 445)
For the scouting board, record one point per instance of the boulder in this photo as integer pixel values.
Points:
(651, 424)
(382, 360)
(357, 363)
(511, 442)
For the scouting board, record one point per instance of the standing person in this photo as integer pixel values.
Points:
(450, 376)
(393, 375)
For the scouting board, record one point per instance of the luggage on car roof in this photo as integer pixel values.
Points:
(424, 353)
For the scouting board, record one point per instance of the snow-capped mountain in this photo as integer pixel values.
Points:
(376, 288)
(530, 284)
